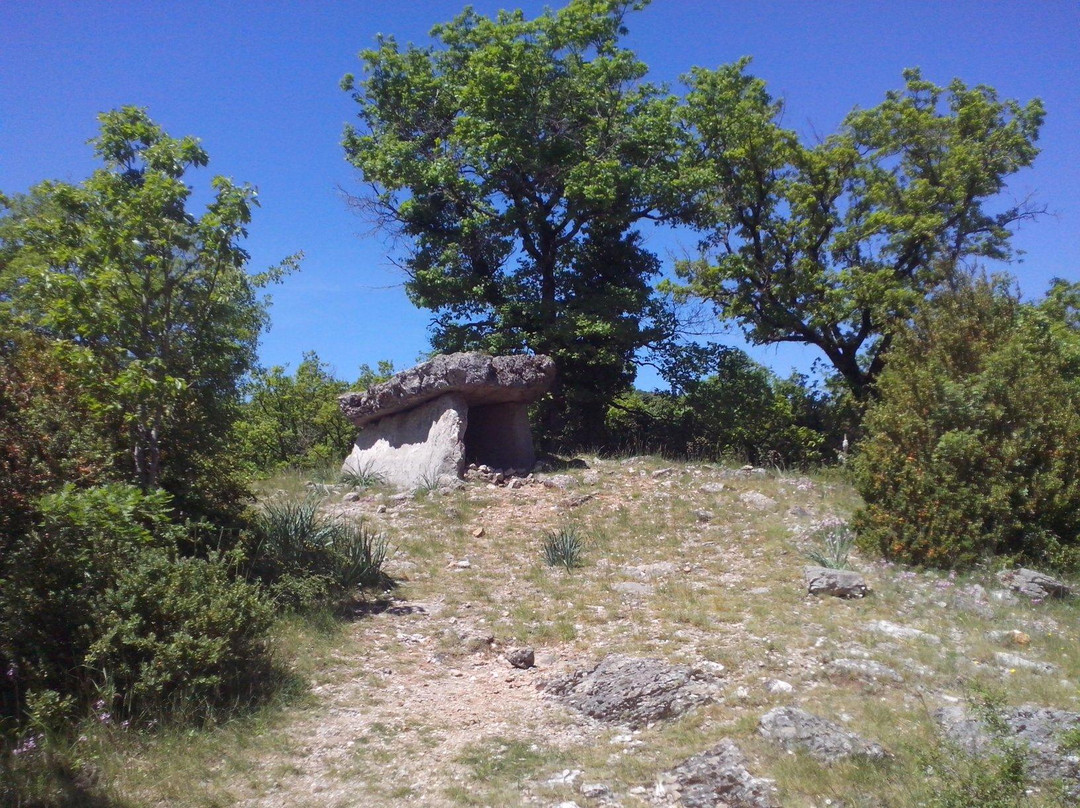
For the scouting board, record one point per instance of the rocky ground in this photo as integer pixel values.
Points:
(684, 663)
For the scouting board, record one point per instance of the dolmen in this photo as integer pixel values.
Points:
(425, 425)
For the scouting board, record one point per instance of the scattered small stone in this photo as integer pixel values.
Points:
(898, 632)
(862, 669)
(757, 500)
(1032, 584)
(1015, 661)
(632, 588)
(595, 791)
(779, 687)
(712, 488)
(1013, 636)
(381, 509)
(662, 473)
(838, 583)
(560, 481)
(794, 729)
(566, 777)
(718, 776)
(591, 477)
(463, 564)
(632, 691)
(473, 641)
(704, 516)
(523, 657)
(350, 496)
(478, 532)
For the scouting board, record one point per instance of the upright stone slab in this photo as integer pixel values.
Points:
(426, 423)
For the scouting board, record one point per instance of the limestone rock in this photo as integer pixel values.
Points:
(898, 632)
(794, 729)
(1034, 584)
(757, 501)
(423, 447)
(632, 691)
(839, 583)
(1038, 731)
(718, 776)
(523, 658)
(866, 669)
(480, 379)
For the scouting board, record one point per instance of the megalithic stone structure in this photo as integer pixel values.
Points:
(426, 424)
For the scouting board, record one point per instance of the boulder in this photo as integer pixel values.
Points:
(1040, 732)
(425, 425)
(839, 583)
(1034, 584)
(718, 776)
(796, 729)
(634, 692)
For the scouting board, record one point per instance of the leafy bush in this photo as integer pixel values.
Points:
(54, 579)
(181, 636)
(741, 412)
(973, 446)
(564, 548)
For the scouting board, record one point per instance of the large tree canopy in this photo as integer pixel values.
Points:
(514, 157)
(152, 306)
(828, 244)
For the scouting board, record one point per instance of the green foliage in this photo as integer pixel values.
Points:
(294, 419)
(180, 637)
(514, 157)
(55, 577)
(742, 411)
(995, 777)
(152, 307)
(306, 558)
(95, 604)
(973, 448)
(831, 243)
(48, 433)
(564, 547)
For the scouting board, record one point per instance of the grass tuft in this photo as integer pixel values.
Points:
(564, 548)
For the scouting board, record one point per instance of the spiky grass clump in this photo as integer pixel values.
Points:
(834, 540)
(361, 554)
(564, 548)
(305, 556)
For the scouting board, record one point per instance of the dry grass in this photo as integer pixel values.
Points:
(407, 706)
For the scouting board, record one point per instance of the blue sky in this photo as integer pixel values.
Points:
(258, 83)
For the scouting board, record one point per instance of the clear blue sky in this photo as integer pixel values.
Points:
(258, 83)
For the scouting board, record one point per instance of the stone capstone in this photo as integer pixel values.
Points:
(796, 729)
(718, 776)
(478, 378)
(634, 692)
(421, 428)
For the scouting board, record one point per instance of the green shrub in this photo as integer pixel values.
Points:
(742, 412)
(54, 579)
(973, 445)
(181, 636)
